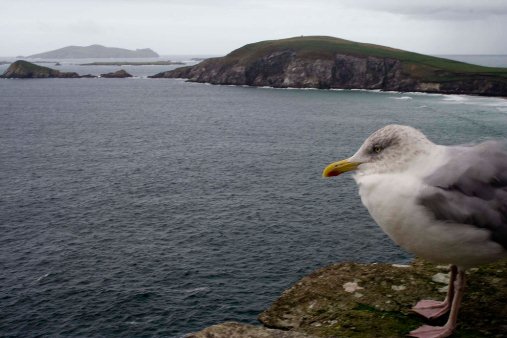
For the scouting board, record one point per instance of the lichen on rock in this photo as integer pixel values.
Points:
(238, 330)
(324, 304)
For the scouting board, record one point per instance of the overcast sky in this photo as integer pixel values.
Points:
(215, 27)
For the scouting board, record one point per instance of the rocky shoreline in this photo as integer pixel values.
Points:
(332, 63)
(287, 69)
(374, 300)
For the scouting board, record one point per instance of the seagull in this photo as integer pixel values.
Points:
(446, 204)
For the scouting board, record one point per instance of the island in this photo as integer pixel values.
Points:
(331, 63)
(133, 63)
(94, 51)
(116, 75)
(26, 70)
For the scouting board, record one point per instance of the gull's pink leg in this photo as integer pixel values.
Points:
(427, 331)
(432, 309)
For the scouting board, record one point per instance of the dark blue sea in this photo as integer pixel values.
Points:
(154, 208)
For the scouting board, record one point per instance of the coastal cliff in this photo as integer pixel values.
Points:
(332, 63)
(374, 300)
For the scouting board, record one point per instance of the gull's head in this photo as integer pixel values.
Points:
(392, 148)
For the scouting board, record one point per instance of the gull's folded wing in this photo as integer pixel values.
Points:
(471, 188)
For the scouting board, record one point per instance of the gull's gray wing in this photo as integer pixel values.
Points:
(471, 188)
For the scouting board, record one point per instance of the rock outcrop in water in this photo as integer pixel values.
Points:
(374, 300)
(118, 74)
(27, 70)
(326, 62)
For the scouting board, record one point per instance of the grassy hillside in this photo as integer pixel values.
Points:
(324, 47)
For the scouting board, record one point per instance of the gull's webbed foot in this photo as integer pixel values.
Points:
(427, 331)
(431, 309)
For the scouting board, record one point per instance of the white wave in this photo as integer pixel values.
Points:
(198, 289)
(425, 94)
(401, 98)
(43, 276)
(367, 90)
(500, 104)
(456, 98)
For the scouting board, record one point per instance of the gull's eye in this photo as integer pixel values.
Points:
(377, 149)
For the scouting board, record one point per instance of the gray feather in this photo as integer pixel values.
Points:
(471, 188)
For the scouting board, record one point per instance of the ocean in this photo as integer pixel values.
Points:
(156, 207)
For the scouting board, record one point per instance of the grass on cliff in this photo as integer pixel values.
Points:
(31, 67)
(324, 47)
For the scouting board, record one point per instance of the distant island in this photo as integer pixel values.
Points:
(135, 63)
(94, 51)
(26, 70)
(327, 62)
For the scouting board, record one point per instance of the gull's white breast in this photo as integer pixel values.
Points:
(392, 201)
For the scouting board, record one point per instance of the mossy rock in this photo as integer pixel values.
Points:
(238, 330)
(374, 300)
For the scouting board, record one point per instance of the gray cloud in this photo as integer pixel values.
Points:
(219, 26)
(436, 9)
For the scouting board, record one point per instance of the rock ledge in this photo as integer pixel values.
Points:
(374, 300)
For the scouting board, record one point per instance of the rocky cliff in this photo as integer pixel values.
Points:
(326, 62)
(374, 300)
(27, 70)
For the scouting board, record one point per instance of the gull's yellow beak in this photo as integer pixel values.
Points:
(340, 167)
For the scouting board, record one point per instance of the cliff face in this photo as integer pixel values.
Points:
(288, 64)
(285, 69)
(26, 70)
